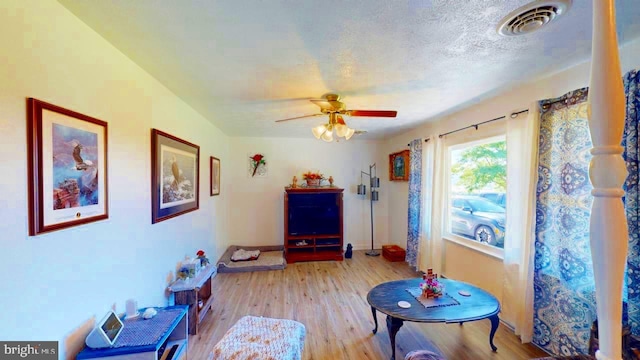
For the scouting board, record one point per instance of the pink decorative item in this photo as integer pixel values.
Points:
(431, 287)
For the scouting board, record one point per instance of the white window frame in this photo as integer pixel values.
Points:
(490, 250)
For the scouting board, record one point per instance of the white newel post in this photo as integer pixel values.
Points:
(609, 233)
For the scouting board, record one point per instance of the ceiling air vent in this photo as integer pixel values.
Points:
(532, 17)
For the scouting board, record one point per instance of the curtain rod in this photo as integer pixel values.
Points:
(425, 140)
(513, 116)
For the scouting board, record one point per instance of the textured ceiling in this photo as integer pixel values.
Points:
(243, 64)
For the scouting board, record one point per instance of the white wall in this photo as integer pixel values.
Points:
(459, 262)
(55, 282)
(257, 211)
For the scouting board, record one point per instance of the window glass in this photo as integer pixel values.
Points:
(477, 190)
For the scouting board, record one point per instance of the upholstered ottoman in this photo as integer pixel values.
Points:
(261, 338)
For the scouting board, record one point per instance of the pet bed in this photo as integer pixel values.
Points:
(244, 255)
(271, 258)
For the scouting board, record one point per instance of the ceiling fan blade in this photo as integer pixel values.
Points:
(372, 113)
(324, 104)
(299, 117)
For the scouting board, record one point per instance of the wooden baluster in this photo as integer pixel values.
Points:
(609, 234)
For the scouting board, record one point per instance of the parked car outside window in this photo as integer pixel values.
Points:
(496, 198)
(478, 218)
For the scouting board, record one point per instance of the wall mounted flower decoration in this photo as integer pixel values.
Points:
(257, 165)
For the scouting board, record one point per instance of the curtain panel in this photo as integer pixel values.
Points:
(522, 166)
(434, 156)
(632, 195)
(564, 290)
(415, 212)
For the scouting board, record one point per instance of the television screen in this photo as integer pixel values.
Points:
(313, 214)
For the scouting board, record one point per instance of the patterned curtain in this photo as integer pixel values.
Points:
(564, 301)
(414, 231)
(632, 196)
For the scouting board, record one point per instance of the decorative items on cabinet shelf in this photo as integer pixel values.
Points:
(313, 178)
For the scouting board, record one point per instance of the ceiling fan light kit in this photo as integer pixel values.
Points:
(332, 106)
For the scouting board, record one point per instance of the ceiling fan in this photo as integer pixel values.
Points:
(332, 106)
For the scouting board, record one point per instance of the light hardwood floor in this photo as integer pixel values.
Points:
(330, 299)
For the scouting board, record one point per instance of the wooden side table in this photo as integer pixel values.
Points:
(195, 292)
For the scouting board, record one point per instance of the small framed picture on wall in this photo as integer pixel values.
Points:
(214, 185)
(399, 166)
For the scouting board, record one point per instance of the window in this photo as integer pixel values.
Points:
(477, 191)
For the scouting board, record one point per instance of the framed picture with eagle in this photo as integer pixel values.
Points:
(67, 176)
(175, 174)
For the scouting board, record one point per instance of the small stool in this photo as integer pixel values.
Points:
(261, 338)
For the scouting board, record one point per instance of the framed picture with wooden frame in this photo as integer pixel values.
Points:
(67, 171)
(175, 174)
(399, 166)
(214, 184)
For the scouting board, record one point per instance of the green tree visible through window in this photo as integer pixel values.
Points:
(482, 165)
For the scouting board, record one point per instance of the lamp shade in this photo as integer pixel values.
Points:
(318, 131)
(375, 182)
(349, 133)
(362, 189)
(374, 195)
(341, 130)
(327, 136)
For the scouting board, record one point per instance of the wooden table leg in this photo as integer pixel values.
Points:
(393, 325)
(375, 319)
(495, 321)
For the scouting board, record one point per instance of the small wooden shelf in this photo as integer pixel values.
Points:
(320, 245)
(191, 292)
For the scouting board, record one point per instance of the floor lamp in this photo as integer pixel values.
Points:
(362, 190)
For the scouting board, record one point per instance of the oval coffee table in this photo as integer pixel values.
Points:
(479, 305)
